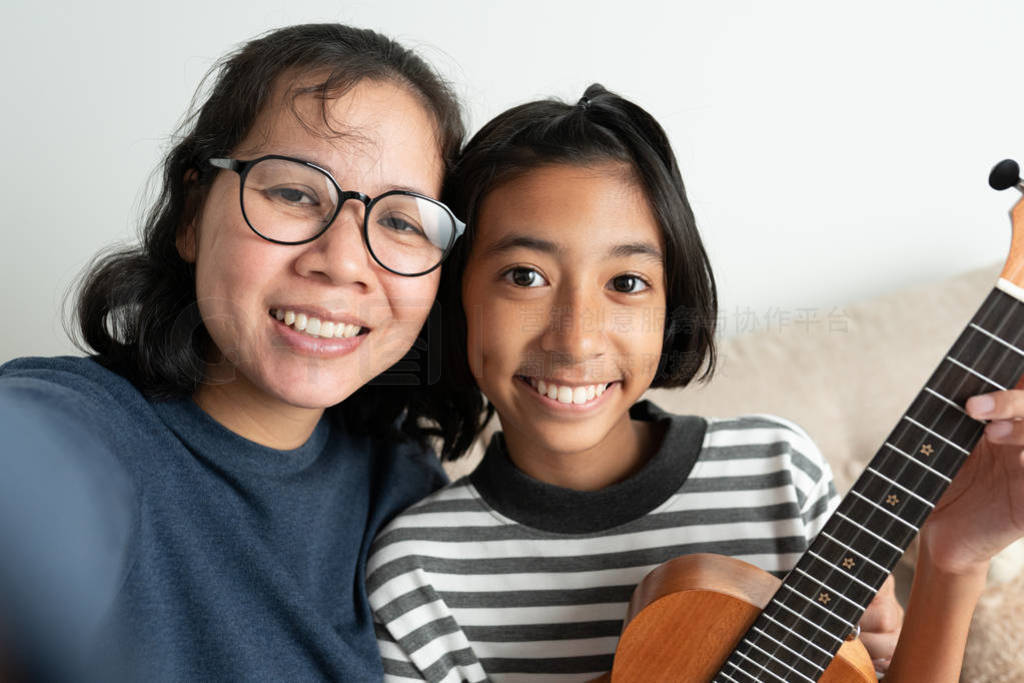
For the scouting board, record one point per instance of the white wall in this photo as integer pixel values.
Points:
(832, 150)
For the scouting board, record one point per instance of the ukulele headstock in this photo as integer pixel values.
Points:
(1004, 175)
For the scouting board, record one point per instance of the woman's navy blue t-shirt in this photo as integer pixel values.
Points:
(148, 542)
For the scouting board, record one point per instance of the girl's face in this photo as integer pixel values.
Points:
(564, 295)
(387, 142)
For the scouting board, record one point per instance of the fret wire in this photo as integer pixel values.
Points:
(852, 602)
(898, 485)
(722, 673)
(767, 635)
(975, 373)
(859, 526)
(873, 503)
(773, 658)
(943, 398)
(997, 338)
(741, 670)
(818, 605)
(763, 668)
(847, 575)
(915, 460)
(806, 639)
(854, 550)
(804, 619)
(936, 435)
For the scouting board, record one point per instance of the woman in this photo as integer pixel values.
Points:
(196, 500)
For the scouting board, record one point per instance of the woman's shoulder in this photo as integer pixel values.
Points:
(77, 374)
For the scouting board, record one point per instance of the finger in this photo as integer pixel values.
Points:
(1006, 432)
(998, 405)
(884, 613)
(880, 646)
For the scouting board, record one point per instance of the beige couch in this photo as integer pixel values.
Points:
(846, 375)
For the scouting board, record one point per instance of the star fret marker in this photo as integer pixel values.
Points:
(892, 499)
(848, 563)
(927, 450)
(824, 598)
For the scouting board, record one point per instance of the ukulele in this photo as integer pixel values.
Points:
(706, 617)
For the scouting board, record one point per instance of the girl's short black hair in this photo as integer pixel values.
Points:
(602, 127)
(136, 307)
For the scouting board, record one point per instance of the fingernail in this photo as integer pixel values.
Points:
(980, 405)
(999, 429)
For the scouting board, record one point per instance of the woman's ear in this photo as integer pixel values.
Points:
(185, 239)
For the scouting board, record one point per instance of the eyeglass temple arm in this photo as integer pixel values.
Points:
(460, 227)
(229, 164)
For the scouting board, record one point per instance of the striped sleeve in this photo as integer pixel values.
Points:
(812, 477)
(418, 637)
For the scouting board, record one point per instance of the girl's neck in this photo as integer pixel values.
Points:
(623, 451)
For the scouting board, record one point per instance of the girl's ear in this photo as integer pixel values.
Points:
(185, 239)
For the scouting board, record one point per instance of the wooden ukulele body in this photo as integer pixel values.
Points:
(688, 615)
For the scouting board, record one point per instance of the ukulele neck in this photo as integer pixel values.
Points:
(822, 598)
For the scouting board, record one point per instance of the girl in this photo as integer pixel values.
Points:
(186, 503)
(586, 283)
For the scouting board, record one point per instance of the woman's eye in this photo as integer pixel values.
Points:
(524, 277)
(628, 284)
(399, 224)
(292, 195)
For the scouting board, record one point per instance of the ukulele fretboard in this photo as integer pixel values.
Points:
(822, 598)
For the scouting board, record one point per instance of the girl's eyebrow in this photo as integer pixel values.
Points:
(510, 242)
(636, 249)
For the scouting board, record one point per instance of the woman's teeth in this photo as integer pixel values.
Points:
(563, 394)
(315, 327)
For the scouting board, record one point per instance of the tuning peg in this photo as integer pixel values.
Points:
(1004, 175)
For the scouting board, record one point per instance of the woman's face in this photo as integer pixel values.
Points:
(387, 141)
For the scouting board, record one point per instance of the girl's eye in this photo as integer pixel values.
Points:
(521, 276)
(628, 284)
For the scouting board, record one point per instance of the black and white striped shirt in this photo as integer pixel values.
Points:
(501, 577)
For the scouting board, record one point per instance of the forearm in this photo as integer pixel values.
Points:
(938, 617)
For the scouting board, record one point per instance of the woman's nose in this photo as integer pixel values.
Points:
(339, 254)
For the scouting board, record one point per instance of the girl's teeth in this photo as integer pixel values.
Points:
(575, 395)
(300, 322)
(327, 329)
(289, 318)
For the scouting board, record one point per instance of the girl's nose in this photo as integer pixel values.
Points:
(575, 328)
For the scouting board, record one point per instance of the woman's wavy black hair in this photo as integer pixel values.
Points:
(136, 307)
(601, 127)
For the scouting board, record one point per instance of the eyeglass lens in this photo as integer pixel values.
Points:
(288, 201)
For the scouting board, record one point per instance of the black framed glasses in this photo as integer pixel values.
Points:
(290, 201)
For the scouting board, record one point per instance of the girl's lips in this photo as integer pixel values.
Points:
(312, 346)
